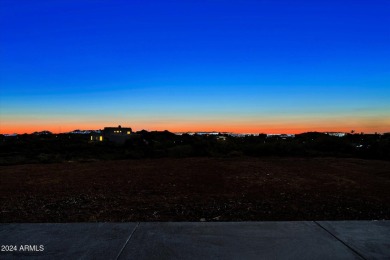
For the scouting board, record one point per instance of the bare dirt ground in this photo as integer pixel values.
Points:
(196, 189)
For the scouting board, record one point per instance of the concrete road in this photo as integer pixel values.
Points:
(198, 240)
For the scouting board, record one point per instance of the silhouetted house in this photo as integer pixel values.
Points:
(97, 136)
(113, 134)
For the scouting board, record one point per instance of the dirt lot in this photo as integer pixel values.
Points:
(196, 189)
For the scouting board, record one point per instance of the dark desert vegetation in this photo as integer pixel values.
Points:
(54, 148)
(159, 176)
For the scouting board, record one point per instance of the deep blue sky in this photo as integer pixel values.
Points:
(254, 66)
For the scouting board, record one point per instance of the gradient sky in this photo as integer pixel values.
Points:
(242, 66)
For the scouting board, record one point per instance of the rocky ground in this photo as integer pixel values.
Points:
(196, 189)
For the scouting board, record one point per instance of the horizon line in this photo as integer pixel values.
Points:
(213, 131)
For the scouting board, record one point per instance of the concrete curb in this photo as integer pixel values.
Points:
(197, 240)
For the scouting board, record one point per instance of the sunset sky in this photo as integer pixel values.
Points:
(272, 66)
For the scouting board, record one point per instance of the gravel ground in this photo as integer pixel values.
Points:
(196, 189)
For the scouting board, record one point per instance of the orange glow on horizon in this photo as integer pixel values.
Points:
(267, 128)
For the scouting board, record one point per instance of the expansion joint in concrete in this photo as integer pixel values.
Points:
(127, 241)
(341, 241)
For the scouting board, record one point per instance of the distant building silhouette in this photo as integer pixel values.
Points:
(113, 134)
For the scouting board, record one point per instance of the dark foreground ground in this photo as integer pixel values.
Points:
(197, 189)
